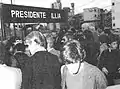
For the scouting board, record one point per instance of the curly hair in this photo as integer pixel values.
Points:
(73, 51)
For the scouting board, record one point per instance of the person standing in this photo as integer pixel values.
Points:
(43, 69)
(77, 73)
(109, 60)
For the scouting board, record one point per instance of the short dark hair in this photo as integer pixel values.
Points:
(19, 47)
(112, 38)
(10, 42)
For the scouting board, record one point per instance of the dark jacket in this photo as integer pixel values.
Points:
(21, 59)
(42, 72)
(92, 51)
(110, 60)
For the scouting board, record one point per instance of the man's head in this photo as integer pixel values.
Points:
(113, 41)
(87, 26)
(35, 39)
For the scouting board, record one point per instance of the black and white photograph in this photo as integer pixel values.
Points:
(59, 44)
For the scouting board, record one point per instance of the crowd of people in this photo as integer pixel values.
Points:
(88, 59)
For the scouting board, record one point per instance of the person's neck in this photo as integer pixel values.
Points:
(38, 48)
(73, 68)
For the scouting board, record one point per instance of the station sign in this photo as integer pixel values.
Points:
(27, 14)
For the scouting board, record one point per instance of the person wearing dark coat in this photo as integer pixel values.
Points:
(110, 60)
(91, 48)
(9, 50)
(19, 55)
(42, 71)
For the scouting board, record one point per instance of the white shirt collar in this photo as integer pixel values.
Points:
(38, 49)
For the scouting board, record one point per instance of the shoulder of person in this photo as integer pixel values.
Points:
(12, 70)
(54, 59)
(52, 55)
(91, 68)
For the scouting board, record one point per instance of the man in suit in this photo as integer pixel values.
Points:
(43, 69)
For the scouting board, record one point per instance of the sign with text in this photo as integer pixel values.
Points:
(27, 14)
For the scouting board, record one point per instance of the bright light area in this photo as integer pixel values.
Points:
(79, 4)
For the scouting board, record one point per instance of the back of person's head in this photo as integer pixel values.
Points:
(19, 47)
(11, 41)
(112, 38)
(38, 37)
(73, 52)
(88, 35)
(85, 26)
(107, 31)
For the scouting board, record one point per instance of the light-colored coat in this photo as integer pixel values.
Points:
(10, 78)
(88, 77)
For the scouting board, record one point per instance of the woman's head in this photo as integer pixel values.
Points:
(73, 52)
